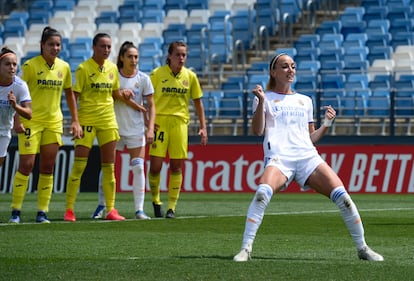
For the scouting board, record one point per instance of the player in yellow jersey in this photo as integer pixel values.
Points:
(132, 119)
(174, 87)
(97, 84)
(47, 77)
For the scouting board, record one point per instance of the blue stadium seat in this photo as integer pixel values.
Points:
(353, 106)
(378, 107)
(352, 23)
(329, 27)
(401, 25)
(243, 27)
(174, 4)
(404, 103)
(150, 49)
(307, 41)
(307, 54)
(291, 51)
(80, 49)
(291, 8)
(13, 27)
(379, 52)
(378, 85)
(152, 15)
(375, 12)
(24, 15)
(196, 4)
(158, 4)
(332, 66)
(174, 32)
(211, 102)
(333, 81)
(38, 16)
(306, 83)
(231, 107)
(361, 77)
(64, 5)
(402, 38)
(368, 3)
(258, 67)
(331, 97)
(309, 66)
(268, 18)
(234, 84)
(257, 79)
(106, 17)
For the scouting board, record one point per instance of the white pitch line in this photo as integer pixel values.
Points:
(217, 216)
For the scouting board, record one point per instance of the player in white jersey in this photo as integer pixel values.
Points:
(132, 120)
(286, 119)
(14, 97)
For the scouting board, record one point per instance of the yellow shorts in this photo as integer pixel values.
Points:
(171, 136)
(103, 135)
(38, 134)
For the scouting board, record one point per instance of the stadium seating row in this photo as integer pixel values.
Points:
(366, 50)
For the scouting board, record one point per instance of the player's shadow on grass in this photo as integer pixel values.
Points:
(394, 223)
(218, 257)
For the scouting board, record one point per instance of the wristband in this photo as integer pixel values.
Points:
(328, 122)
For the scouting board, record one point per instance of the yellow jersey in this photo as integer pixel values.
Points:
(94, 87)
(172, 93)
(46, 84)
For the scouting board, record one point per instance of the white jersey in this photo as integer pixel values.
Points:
(21, 91)
(287, 118)
(131, 121)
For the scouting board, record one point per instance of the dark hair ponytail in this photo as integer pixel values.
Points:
(122, 50)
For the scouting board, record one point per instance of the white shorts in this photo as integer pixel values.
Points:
(298, 169)
(4, 144)
(130, 142)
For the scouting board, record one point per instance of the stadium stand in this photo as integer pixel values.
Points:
(364, 47)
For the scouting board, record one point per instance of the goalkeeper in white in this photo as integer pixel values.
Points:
(286, 120)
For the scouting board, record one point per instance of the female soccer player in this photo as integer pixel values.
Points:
(286, 119)
(174, 86)
(131, 117)
(96, 86)
(14, 97)
(47, 76)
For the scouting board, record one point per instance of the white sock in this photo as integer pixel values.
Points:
(255, 214)
(101, 196)
(138, 183)
(349, 214)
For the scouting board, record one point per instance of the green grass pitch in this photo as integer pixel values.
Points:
(302, 237)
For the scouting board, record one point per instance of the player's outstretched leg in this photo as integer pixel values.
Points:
(254, 218)
(353, 222)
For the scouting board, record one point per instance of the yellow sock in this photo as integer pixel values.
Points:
(73, 183)
(154, 182)
(19, 190)
(109, 185)
(44, 191)
(174, 188)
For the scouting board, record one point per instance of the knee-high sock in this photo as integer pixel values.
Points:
(349, 214)
(174, 188)
(255, 214)
(154, 182)
(19, 190)
(44, 191)
(101, 196)
(74, 179)
(109, 185)
(138, 183)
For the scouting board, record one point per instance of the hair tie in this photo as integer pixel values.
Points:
(274, 60)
